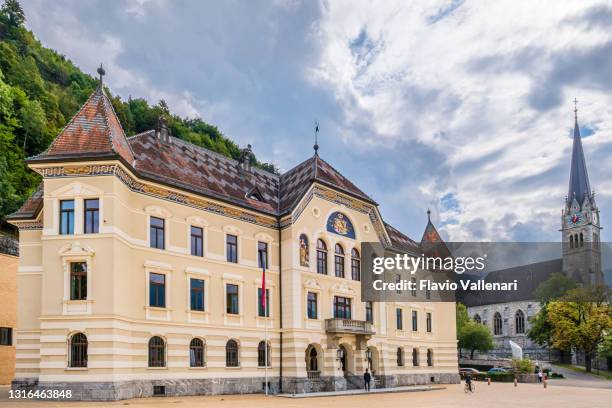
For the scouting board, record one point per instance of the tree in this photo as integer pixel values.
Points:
(581, 319)
(472, 336)
(13, 12)
(475, 337)
(33, 122)
(541, 329)
(557, 285)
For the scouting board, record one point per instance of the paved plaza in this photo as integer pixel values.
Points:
(497, 395)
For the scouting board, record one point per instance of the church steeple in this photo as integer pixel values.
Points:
(579, 187)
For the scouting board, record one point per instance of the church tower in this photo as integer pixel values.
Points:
(580, 226)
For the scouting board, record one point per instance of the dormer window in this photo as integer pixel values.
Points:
(255, 194)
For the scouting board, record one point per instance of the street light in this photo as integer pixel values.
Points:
(339, 354)
(368, 354)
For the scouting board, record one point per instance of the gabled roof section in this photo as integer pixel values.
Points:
(95, 130)
(187, 166)
(579, 186)
(295, 182)
(399, 241)
(29, 209)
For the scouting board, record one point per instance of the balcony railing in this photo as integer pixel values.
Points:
(348, 326)
(314, 375)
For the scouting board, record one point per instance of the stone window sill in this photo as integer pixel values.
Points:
(157, 368)
(76, 369)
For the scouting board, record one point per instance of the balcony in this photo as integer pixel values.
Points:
(348, 326)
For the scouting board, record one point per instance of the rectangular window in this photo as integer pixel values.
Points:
(262, 255)
(369, 312)
(66, 226)
(231, 246)
(355, 269)
(312, 305)
(428, 322)
(414, 286)
(415, 324)
(197, 294)
(339, 266)
(78, 280)
(342, 307)
(399, 319)
(231, 292)
(92, 215)
(260, 309)
(197, 241)
(157, 233)
(157, 290)
(6, 336)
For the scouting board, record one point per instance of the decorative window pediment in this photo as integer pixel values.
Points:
(157, 211)
(75, 250)
(76, 189)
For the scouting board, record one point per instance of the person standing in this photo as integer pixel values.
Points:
(540, 374)
(366, 380)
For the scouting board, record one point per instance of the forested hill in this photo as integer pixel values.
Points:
(40, 90)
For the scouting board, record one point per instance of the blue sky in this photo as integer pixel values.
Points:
(460, 106)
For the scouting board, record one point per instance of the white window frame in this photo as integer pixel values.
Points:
(69, 254)
(162, 269)
(197, 316)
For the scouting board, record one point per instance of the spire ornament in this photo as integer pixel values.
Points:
(101, 72)
(316, 145)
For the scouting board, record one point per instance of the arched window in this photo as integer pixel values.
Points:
(429, 357)
(157, 352)
(400, 357)
(477, 318)
(497, 324)
(355, 265)
(196, 353)
(264, 355)
(231, 354)
(415, 357)
(519, 322)
(78, 350)
(321, 257)
(581, 239)
(339, 261)
(571, 241)
(313, 364)
(304, 251)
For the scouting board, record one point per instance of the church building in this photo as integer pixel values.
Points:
(508, 317)
(141, 263)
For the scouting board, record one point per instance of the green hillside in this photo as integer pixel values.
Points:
(41, 89)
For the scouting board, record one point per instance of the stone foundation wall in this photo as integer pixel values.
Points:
(110, 391)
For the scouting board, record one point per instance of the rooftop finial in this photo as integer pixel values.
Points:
(428, 215)
(576, 109)
(316, 145)
(101, 72)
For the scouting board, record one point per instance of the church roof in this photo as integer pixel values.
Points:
(579, 187)
(94, 130)
(401, 242)
(529, 277)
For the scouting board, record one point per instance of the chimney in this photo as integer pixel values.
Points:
(162, 132)
(245, 158)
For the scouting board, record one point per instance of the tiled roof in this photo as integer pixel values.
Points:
(295, 182)
(529, 278)
(399, 241)
(94, 129)
(29, 209)
(9, 245)
(95, 132)
(202, 171)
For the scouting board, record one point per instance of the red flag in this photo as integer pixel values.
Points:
(263, 286)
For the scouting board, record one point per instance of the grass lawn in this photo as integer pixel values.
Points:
(602, 373)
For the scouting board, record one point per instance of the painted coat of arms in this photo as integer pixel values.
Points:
(339, 223)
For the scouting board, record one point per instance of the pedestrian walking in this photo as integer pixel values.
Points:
(540, 375)
(366, 380)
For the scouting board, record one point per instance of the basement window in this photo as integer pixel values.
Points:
(159, 390)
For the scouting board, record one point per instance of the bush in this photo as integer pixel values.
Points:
(501, 377)
(523, 366)
(556, 375)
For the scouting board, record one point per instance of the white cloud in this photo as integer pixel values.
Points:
(407, 79)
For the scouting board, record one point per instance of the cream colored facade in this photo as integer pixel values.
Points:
(8, 314)
(118, 321)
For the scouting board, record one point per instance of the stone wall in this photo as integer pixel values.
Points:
(110, 391)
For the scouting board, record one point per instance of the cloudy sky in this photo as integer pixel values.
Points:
(461, 106)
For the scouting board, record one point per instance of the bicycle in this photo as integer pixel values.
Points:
(467, 388)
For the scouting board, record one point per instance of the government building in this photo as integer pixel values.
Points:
(140, 274)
